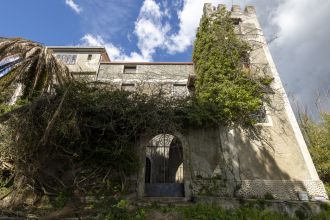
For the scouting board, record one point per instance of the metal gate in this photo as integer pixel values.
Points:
(164, 167)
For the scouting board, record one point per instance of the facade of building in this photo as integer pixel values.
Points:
(219, 161)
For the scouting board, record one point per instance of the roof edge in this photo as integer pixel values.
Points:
(148, 63)
(87, 49)
(74, 48)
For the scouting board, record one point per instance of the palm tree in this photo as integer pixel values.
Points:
(29, 67)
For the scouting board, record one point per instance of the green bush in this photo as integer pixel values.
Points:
(317, 134)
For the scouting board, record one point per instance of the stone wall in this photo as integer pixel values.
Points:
(145, 72)
(149, 77)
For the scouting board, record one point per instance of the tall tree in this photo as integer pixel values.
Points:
(28, 70)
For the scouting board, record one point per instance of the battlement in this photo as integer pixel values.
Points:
(209, 9)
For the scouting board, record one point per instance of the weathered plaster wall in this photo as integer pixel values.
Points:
(207, 169)
(84, 68)
(148, 78)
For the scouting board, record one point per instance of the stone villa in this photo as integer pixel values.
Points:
(220, 161)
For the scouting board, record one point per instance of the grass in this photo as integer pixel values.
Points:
(205, 212)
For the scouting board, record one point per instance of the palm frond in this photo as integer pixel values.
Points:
(31, 64)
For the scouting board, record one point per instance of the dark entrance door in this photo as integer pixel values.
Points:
(164, 190)
(164, 167)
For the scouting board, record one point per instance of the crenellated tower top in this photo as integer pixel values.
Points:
(236, 9)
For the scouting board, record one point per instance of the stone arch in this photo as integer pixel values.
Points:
(184, 165)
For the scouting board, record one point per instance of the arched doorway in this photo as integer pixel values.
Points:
(164, 175)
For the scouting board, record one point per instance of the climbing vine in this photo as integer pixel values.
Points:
(223, 76)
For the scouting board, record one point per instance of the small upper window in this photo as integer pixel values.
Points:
(69, 59)
(179, 90)
(89, 57)
(129, 69)
(236, 21)
(128, 87)
(260, 116)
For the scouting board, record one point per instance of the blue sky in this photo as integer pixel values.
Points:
(45, 21)
(67, 22)
(164, 30)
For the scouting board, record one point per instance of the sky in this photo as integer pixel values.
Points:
(161, 30)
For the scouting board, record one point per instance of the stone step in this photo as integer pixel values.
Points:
(163, 201)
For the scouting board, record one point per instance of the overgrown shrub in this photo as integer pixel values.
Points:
(317, 134)
(84, 132)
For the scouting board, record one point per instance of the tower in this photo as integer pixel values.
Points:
(280, 164)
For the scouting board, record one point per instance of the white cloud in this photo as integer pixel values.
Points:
(152, 27)
(150, 31)
(189, 18)
(74, 6)
(302, 50)
(115, 53)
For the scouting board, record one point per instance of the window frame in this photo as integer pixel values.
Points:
(127, 84)
(180, 85)
(60, 56)
(268, 119)
(126, 67)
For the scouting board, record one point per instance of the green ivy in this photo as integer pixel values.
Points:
(223, 77)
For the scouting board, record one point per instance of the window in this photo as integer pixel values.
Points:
(262, 117)
(89, 57)
(179, 90)
(129, 69)
(128, 87)
(69, 59)
(236, 21)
